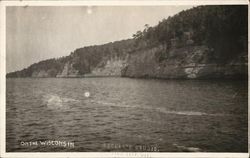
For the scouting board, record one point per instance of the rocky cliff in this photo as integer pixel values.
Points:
(187, 62)
(200, 43)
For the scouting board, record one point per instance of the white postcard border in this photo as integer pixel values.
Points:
(4, 4)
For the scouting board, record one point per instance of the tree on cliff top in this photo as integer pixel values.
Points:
(223, 28)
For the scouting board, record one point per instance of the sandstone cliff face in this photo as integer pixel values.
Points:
(111, 67)
(177, 48)
(68, 71)
(191, 62)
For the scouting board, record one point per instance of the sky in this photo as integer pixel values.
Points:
(37, 33)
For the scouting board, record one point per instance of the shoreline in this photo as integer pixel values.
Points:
(240, 78)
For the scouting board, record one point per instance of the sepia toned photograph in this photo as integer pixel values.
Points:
(167, 78)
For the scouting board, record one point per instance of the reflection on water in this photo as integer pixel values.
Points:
(56, 102)
(121, 114)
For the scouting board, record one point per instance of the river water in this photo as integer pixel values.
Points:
(122, 114)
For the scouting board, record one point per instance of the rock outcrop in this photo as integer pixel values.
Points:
(68, 71)
(112, 67)
(188, 62)
(201, 43)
